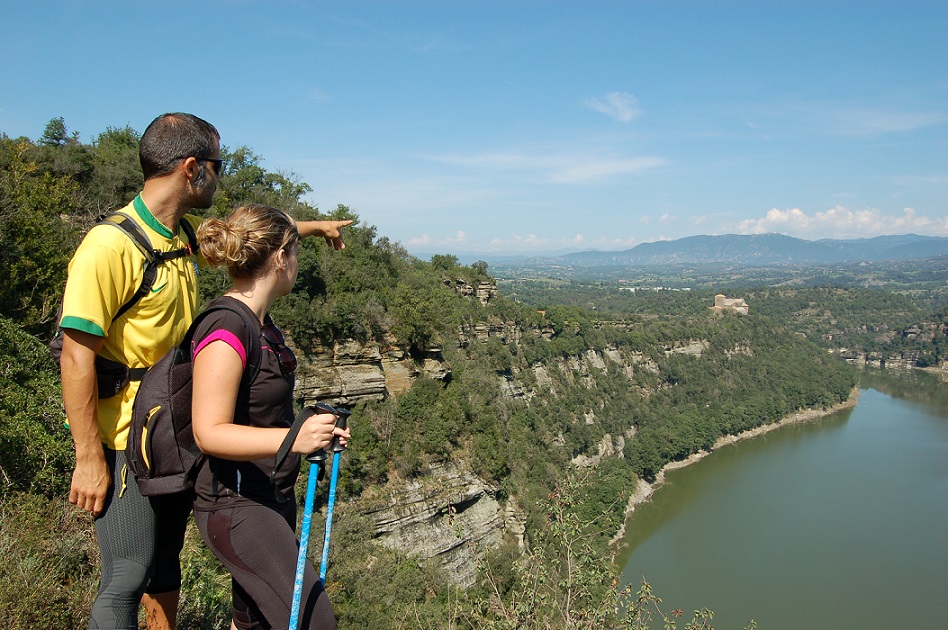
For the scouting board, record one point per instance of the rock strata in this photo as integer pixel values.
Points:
(448, 516)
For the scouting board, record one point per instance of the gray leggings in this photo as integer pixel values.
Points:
(133, 531)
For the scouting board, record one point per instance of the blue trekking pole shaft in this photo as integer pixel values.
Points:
(331, 503)
(314, 463)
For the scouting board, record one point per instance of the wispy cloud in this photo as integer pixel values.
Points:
(921, 180)
(881, 121)
(423, 241)
(533, 243)
(777, 119)
(620, 106)
(842, 222)
(317, 95)
(564, 168)
(590, 169)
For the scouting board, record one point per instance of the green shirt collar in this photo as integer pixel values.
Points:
(145, 214)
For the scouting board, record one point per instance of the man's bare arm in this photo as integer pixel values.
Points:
(90, 479)
(330, 230)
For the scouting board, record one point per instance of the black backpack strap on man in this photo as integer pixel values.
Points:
(112, 375)
(153, 257)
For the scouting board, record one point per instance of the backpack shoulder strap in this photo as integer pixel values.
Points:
(153, 257)
(287, 444)
(190, 249)
(130, 227)
(189, 232)
(255, 352)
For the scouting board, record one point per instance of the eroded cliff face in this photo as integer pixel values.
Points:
(446, 515)
(348, 372)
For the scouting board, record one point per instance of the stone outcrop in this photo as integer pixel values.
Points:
(348, 371)
(607, 447)
(484, 291)
(580, 369)
(694, 348)
(446, 516)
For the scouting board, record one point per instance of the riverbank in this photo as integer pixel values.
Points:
(643, 490)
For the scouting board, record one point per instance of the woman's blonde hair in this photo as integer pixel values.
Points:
(246, 239)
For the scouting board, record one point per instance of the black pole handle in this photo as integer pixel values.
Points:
(342, 421)
(320, 455)
(342, 416)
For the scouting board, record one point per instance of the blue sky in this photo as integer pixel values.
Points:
(527, 127)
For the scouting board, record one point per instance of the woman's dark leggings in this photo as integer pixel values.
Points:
(258, 546)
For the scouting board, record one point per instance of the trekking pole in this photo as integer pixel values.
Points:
(343, 419)
(314, 459)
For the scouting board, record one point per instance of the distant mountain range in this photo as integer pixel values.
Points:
(762, 250)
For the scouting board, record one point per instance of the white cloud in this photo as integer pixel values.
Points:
(530, 243)
(613, 244)
(842, 222)
(868, 121)
(620, 106)
(457, 239)
(316, 95)
(590, 169)
(419, 241)
(568, 167)
(515, 243)
(426, 241)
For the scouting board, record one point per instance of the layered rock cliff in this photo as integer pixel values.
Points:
(443, 515)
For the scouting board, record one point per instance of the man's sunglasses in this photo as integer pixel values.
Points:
(216, 163)
(277, 341)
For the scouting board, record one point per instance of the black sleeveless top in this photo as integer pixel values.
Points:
(268, 402)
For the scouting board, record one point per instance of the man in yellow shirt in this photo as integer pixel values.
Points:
(139, 538)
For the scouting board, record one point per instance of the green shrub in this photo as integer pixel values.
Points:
(36, 451)
(47, 578)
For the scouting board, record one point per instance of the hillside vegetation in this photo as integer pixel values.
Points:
(551, 408)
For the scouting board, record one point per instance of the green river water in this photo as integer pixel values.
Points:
(837, 524)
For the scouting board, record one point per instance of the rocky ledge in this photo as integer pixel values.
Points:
(448, 515)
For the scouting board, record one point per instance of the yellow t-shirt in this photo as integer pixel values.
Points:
(104, 274)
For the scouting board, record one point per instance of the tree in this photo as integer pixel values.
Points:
(244, 181)
(35, 241)
(117, 177)
(55, 134)
(421, 310)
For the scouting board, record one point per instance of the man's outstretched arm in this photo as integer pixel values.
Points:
(330, 230)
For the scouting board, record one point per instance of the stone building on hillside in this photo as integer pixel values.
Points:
(735, 304)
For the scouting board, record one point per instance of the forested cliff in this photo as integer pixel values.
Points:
(494, 441)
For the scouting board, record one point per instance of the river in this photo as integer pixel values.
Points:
(836, 524)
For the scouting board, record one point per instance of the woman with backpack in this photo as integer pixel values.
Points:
(242, 412)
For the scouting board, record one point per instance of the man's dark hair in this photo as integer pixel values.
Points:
(172, 137)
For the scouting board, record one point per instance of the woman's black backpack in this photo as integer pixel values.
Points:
(161, 451)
